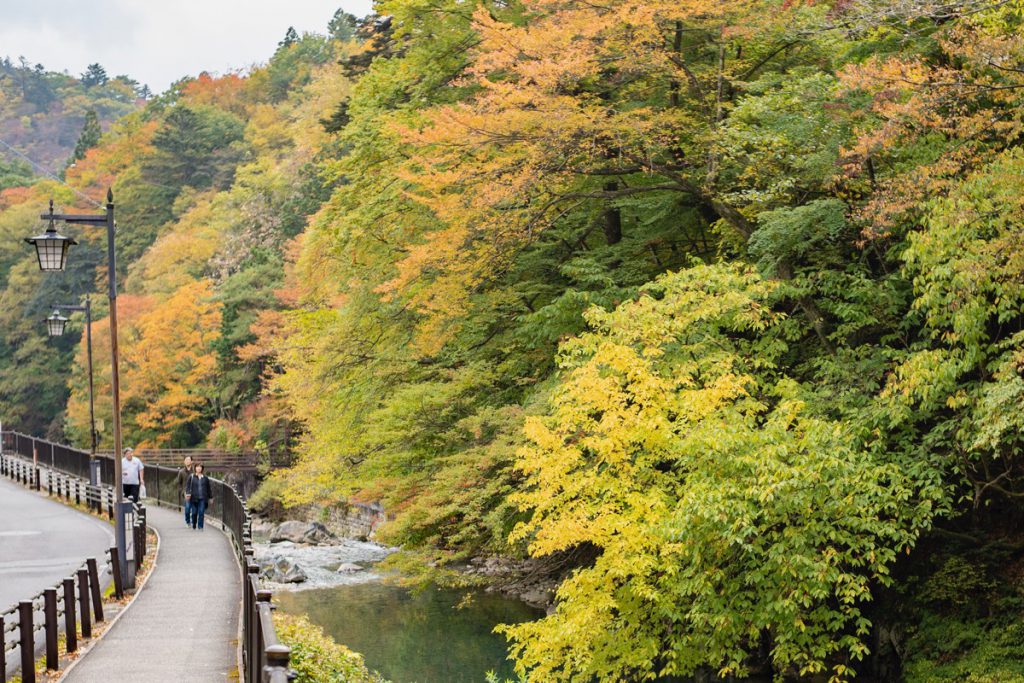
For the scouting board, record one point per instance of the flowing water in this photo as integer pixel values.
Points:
(423, 636)
(431, 635)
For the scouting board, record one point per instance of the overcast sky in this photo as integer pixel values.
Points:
(157, 42)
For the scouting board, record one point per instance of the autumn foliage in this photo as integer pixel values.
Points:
(708, 311)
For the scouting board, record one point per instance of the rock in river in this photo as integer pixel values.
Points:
(281, 570)
(349, 567)
(312, 533)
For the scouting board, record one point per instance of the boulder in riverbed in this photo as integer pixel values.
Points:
(348, 568)
(281, 570)
(312, 533)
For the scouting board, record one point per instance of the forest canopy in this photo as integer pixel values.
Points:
(711, 309)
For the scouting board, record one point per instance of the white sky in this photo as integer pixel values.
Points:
(156, 42)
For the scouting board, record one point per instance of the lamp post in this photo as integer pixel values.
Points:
(55, 327)
(52, 249)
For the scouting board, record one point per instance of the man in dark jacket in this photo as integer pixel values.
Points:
(184, 472)
(197, 489)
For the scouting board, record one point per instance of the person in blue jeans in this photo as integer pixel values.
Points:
(184, 472)
(198, 493)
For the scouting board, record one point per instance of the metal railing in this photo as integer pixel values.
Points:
(77, 601)
(264, 658)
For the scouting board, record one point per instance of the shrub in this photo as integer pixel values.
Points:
(318, 659)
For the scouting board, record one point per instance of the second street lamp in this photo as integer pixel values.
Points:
(51, 249)
(55, 326)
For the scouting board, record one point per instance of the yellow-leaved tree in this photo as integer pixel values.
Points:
(724, 511)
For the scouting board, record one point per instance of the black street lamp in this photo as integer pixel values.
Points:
(55, 326)
(52, 248)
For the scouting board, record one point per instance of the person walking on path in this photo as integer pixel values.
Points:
(132, 475)
(197, 489)
(184, 472)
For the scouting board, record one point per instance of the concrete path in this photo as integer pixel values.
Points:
(43, 541)
(184, 624)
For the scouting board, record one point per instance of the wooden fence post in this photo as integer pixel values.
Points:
(27, 643)
(94, 585)
(115, 568)
(70, 623)
(50, 613)
(83, 603)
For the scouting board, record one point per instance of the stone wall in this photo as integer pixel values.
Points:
(352, 520)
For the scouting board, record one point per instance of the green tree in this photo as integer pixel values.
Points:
(89, 137)
(15, 173)
(94, 75)
(342, 25)
(197, 147)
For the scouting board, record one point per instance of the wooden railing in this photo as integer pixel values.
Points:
(264, 658)
(213, 460)
(76, 600)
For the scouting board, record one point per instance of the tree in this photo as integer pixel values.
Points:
(89, 137)
(290, 38)
(195, 147)
(342, 25)
(14, 173)
(727, 509)
(94, 75)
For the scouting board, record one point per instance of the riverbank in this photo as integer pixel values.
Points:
(353, 526)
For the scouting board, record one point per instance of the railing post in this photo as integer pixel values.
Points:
(258, 637)
(70, 623)
(278, 658)
(3, 651)
(26, 641)
(144, 532)
(137, 545)
(115, 570)
(94, 586)
(83, 603)
(50, 612)
(249, 621)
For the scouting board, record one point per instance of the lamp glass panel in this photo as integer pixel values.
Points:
(52, 253)
(55, 325)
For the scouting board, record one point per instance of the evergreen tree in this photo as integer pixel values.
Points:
(290, 38)
(94, 75)
(342, 25)
(89, 138)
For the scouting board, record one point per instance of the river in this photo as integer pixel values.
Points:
(430, 635)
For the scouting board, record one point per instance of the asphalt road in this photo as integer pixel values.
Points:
(42, 542)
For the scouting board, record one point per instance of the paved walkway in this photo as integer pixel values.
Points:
(43, 541)
(184, 624)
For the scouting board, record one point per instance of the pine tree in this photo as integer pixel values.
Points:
(89, 137)
(290, 38)
(94, 75)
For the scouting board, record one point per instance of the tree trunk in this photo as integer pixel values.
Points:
(612, 218)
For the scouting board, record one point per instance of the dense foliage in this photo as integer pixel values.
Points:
(315, 658)
(717, 304)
